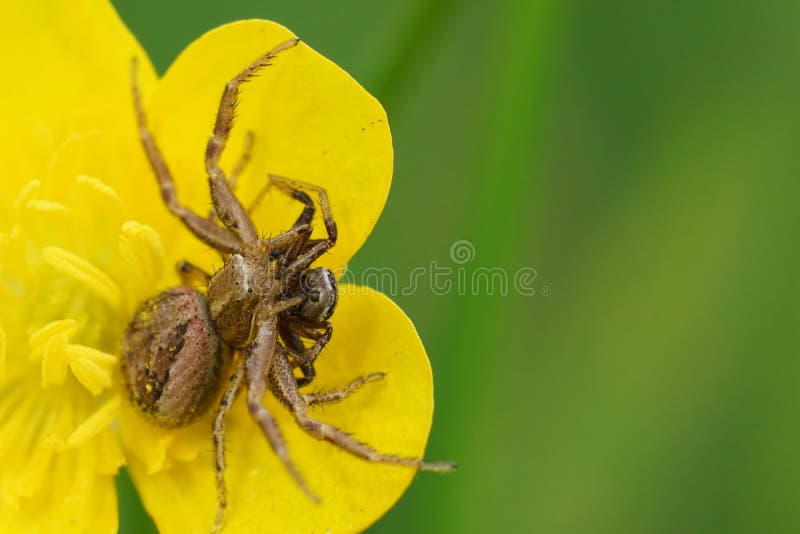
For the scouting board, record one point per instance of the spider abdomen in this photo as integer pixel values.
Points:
(173, 359)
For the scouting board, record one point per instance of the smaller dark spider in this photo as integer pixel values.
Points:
(264, 301)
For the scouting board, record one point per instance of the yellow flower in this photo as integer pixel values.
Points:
(84, 239)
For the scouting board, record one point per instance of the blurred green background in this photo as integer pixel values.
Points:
(641, 156)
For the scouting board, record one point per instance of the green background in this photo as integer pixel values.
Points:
(641, 156)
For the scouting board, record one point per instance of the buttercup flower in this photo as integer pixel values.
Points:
(84, 239)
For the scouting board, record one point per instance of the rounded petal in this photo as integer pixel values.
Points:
(370, 334)
(311, 122)
(66, 73)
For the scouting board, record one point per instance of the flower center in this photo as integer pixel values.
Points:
(72, 269)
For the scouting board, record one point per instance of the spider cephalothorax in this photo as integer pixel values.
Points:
(264, 313)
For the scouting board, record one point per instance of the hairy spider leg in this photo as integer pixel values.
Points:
(305, 217)
(244, 159)
(308, 250)
(289, 237)
(301, 226)
(258, 362)
(226, 205)
(294, 188)
(284, 387)
(191, 274)
(231, 391)
(238, 169)
(319, 332)
(205, 230)
(327, 397)
(289, 186)
(295, 346)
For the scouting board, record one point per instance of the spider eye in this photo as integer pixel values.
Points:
(321, 294)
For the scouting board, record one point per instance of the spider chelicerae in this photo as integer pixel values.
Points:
(256, 318)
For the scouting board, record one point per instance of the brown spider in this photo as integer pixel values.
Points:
(262, 304)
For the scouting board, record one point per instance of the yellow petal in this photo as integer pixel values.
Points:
(155, 448)
(2, 352)
(312, 122)
(370, 334)
(71, 73)
(110, 455)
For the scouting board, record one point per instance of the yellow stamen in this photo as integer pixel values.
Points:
(104, 359)
(39, 339)
(142, 250)
(85, 272)
(95, 423)
(90, 366)
(47, 206)
(98, 186)
(26, 194)
(67, 147)
(90, 375)
(54, 361)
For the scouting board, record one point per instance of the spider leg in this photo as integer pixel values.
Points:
(296, 348)
(244, 159)
(301, 226)
(260, 358)
(285, 245)
(285, 304)
(308, 212)
(191, 274)
(293, 189)
(289, 237)
(302, 262)
(241, 165)
(205, 230)
(225, 404)
(337, 395)
(227, 207)
(309, 373)
(304, 219)
(320, 333)
(291, 186)
(283, 385)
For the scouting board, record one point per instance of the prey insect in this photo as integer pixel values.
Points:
(264, 314)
